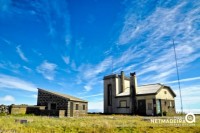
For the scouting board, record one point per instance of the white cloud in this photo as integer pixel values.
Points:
(7, 98)
(91, 71)
(95, 95)
(66, 59)
(34, 96)
(67, 39)
(183, 80)
(154, 56)
(21, 54)
(47, 69)
(88, 87)
(190, 98)
(16, 83)
(90, 74)
(27, 68)
(10, 66)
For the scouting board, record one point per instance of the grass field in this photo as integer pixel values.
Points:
(92, 123)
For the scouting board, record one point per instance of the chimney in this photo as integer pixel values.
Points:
(133, 92)
(122, 82)
(133, 83)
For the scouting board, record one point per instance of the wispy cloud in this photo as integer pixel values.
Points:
(10, 66)
(21, 54)
(190, 97)
(183, 80)
(45, 9)
(66, 59)
(34, 96)
(47, 69)
(95, 95)
(12, 82)
(27, 68)
(88, 87)
(90, 73)
(157, 30)
(4, 5)
(7, 98)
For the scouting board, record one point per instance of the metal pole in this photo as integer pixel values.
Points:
(178, 76)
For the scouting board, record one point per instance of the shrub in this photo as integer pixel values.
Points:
(165, 113)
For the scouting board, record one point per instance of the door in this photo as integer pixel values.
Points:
(141, 107)
(71, 109)
(158, 107)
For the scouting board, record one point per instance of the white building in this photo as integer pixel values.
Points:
(123, 96)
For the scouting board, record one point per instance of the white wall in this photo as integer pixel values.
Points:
(161, 94)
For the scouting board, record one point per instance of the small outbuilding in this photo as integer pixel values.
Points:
(61, 104)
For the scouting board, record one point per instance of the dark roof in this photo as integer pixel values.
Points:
(71, 98)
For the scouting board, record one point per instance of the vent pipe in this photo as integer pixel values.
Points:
(122, 82)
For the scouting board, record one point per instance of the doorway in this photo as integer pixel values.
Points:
(141, 107)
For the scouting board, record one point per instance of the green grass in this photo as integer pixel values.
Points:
(91, 124)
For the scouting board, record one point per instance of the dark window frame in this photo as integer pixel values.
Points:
(53, 106)
(84, 107)
(77, 107)
(120, 104)
(109, 95)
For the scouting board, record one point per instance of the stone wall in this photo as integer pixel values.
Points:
(35, 110)
(67, 106)
(166, 107)
(17, 109)
(73, 111)
(45, 99)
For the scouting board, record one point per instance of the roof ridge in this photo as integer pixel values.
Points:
(151, 84)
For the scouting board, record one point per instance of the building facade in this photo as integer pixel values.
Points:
(122, 95)
(61, 104)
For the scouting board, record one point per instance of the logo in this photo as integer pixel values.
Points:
(190, 118)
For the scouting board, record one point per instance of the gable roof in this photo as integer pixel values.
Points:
(153, 89)
(72, 98)
(149, 89)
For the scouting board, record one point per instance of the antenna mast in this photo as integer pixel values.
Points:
(177, 71)
(112, 66)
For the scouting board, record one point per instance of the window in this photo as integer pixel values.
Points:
(83, 107)
(165, 92)
(123, 104)
(109, 95)
(170, 104)
(149, 106)
(53, 105)
(76, 106)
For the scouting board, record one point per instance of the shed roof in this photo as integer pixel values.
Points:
(72, 98)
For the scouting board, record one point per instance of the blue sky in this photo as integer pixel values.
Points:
(68, 46)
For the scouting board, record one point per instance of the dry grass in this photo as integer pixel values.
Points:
(90, 124)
